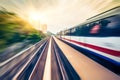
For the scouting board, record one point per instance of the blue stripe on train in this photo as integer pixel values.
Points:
(104, 57)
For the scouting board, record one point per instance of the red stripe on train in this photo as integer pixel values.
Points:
(108, 51)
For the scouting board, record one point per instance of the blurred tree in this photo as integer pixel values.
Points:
(14, 29)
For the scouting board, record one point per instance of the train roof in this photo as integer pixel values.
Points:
(108, 13)
(111, 12)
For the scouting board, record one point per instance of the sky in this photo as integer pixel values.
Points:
(57, 14)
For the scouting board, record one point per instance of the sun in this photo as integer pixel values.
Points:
(37, 20)
(37, 17)
(34, 17)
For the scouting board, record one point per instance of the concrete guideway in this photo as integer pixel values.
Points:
(85, 67)
(47, 71)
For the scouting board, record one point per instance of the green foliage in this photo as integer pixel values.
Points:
(14, 29)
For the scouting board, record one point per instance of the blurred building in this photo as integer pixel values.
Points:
(43, 28)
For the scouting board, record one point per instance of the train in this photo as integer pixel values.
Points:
(99, 34)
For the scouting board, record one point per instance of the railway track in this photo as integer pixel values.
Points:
(15, 65)
(37, 73)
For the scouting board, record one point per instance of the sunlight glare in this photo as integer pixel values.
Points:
(34, 17)
(37, 17)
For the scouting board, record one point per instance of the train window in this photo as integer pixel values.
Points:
(95, 29)
(78, 31)
(68, 32)
(111, 26)
(104, 22)
(73, 30)
(88, 25)
(84, 30)
(115, 21)
(65, 32)
(106, 27)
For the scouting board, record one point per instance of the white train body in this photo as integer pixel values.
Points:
(100, 34)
